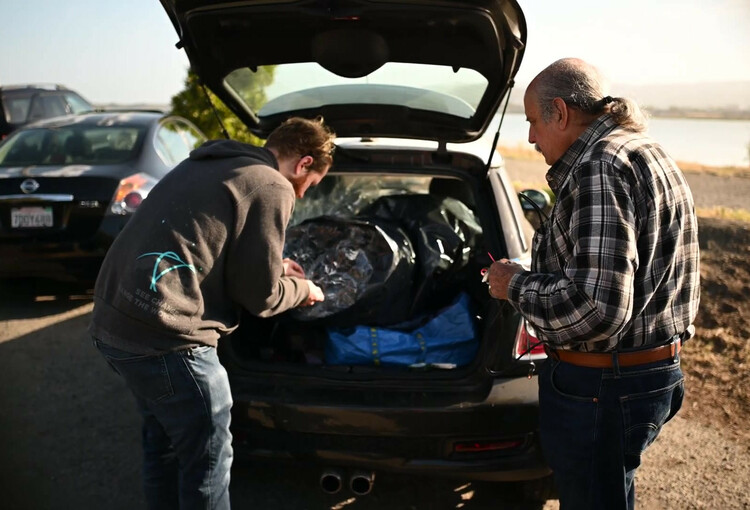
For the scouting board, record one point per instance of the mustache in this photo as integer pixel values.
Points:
(537, 148)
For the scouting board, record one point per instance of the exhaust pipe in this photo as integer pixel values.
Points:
(361, 482)
(330, 482)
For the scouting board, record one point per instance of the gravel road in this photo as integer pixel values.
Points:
(69, 439)
(69, 432)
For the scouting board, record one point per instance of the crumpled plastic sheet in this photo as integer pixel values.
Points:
(443, 230)
(364, 270)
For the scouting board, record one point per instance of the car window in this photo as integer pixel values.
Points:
(76, 104)
(71, 145)
(16, 109)
(300, 86)
(174, 142)
(45, 106)
(23, 149)
(193, 137)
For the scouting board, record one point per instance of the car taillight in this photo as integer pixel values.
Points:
(528, 346)
(486, 446)
(131, 192)
(132, 200)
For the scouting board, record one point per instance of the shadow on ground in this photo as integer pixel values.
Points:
(69, 432)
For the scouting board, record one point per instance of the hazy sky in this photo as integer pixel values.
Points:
(123, 51)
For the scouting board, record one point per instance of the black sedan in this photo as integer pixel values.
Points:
(68, 185)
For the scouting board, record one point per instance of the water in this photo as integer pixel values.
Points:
(705, 141)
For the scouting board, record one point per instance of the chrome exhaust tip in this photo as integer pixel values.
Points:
(361, 482)
(330, 482)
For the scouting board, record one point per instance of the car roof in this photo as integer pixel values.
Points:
(124, 117)
(51, 87)
(354, 61)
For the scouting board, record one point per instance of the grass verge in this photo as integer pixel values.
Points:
(526, 152)
(724, 213)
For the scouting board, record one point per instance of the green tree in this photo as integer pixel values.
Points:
(192, 104)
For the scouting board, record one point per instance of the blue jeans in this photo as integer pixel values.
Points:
(185, 401)
(595, 424)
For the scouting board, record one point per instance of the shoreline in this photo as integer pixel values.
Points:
(675, 113)
(522, 152)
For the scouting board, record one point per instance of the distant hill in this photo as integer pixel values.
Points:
(719, 95)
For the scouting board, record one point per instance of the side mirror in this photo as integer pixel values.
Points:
(538, 197)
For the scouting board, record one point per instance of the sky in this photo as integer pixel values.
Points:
(124, 51)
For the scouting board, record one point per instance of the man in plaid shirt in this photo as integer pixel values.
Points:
(613, 287)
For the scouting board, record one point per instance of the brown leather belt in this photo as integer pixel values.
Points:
(624, 359)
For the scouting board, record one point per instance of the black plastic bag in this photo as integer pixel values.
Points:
(364, 269)
(444, 233)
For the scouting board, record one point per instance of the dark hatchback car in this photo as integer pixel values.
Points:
(22, 104)
(408, 366)
(68, 185)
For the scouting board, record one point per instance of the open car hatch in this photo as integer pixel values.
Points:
(407, 68)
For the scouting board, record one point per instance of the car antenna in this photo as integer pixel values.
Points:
(497, 133)
(216, 112)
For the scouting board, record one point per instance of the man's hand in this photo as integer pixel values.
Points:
(499, 277)
(316, 294)
(291, 268)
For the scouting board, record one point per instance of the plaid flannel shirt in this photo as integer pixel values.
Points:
(617, 263)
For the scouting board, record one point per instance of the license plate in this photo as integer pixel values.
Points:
(31, 217)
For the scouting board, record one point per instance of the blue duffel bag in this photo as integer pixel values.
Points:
(447, 339)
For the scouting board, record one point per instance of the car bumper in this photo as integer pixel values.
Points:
(404, 440)
(58, 258)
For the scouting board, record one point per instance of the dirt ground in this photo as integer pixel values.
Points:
(718, 358)
(708, 444)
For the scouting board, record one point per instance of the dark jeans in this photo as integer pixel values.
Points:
(595, 424)
(185, 401)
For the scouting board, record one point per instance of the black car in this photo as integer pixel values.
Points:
(408, 366)
(68, 185)
(22, 104)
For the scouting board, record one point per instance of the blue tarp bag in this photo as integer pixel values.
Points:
(448, 338)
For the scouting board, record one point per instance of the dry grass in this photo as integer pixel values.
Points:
(720, 171)
(724, 213)
(522, 151)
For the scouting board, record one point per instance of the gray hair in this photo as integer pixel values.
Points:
(583, 87)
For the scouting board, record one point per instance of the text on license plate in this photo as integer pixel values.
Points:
(31, 217)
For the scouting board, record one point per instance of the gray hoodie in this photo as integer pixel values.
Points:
(207, 241)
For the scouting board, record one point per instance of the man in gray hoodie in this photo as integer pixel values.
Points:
(206, 243)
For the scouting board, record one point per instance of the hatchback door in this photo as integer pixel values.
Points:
(407, 68)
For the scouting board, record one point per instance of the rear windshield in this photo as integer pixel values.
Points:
(22, 106)
(72, 145)
(289, 87)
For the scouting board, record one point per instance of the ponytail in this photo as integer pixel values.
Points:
(628, 114)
